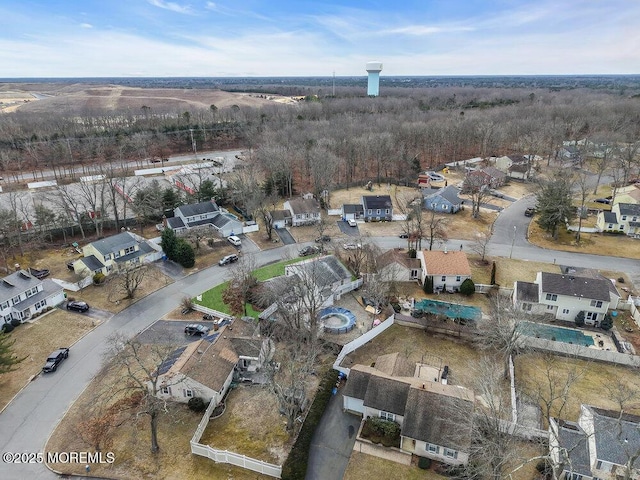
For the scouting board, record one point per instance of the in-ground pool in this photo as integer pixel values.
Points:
(337, 320)
(558, 334)
(451, 310)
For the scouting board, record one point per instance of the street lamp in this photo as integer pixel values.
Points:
(513, 240)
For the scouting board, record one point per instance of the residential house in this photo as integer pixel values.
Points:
(205, 368)
(447, 269)
(352, 211)
(476, 181)
(116, 251)
(398, 266)
(304, 211)
(434, 418)
(603, 444)
(623, 217)
(564, 296)
(204, 215)
(22, 296)
(280, 218)
(442, 200)
(516, 166)
(497, 178)
(329, 277)
(377, 208)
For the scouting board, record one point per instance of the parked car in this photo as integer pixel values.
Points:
(39, 274)
(323, 239)
(529, 212)
(77, 306)
(55, 359)
(234, 240)
(228, 259)
(352, 246)
(310, 250)
(606, 201)
(196, 329)
(70, 264)
(352, 223)
(436, 177)
(496, 193)
(404, 235)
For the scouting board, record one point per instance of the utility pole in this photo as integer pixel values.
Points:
(193, 144)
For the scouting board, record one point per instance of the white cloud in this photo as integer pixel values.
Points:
(86, 25)
(172, 6)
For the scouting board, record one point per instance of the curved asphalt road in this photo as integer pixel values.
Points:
(28, 421)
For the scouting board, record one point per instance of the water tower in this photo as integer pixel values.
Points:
(373, 86)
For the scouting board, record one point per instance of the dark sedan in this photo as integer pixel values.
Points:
(78, 306)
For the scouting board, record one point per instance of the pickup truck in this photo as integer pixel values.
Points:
(55, 359)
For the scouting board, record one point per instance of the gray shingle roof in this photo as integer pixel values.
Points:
(610, 217)
(198, 208)
(175, 222)
(15, 284)
(574, 439)
(280, 214)
(352, 208)
(357, 384)
(449, 193)
(629, 208)
(323, 270)
(494, 172)
(247, 347)
(92, 263)
(575, 286)
(114, 243)
(387, 395)
(376, 201)
(303, 205)
(527, 292)
(49, 288)
(617, 436)
(435, 418)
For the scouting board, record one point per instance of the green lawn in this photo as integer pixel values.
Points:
(212, 298)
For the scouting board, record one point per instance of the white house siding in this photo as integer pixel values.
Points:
(374, 412)
(178, 384)
(420, 449)
(566, 308)
(353, 404)
(450, 281)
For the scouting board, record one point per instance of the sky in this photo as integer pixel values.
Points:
(240, 38)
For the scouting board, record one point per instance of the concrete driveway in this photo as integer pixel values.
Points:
(332, 442)
(165, 332)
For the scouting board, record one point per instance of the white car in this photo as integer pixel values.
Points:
(436, 177)
(352, 222)
(352, 246)
(234, 240)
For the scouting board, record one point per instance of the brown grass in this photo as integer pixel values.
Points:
(365, 467)
(510, 270)
(594, 379)
(593, 243)
(38, 339)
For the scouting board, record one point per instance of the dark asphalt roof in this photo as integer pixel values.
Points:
(449, 193)
(323, 271)
(114, 243)
(575, 286)
(617, 435)
(574, 439)
(352, 208)
(357, 384)
(387, 395)
(629, 208)
(175, 222)
(527, 292)
(198, 208)
(280, 214)
(376, 201)
(610, 217)
(92, 263)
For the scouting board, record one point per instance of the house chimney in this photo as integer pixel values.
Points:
(164, 221)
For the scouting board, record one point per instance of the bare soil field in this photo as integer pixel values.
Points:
(83, 98)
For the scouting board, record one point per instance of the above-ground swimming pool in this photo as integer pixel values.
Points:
(451, 310)
(337, 320)
(557, 334)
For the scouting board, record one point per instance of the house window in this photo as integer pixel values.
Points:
(596, 303)
(129, 250)
(187, 393)
(591, 316)
(387, 416)
(447, 452)
(116, 255)
(634, 219)
(565, 311)
(552, 296)
(415, 273)
(431, 448)
(4, 305)
(15, 300)
(573, 476)
(165, 390)
(107, 257)
(526, 307)
(457, 278)
(369, 211)
(387, 211)
(624, 217)
(443, 278)
(550, 307)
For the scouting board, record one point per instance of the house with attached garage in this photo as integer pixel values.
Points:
(434, 418)
(203, 215)
(280, 218)
(377, 208)
(564, 296)
(23, 296)
(304, 211)
(206, 368)
(602, 444)
(442, 200)
(352, 211)
(446, 269)
(397, 266)
(623, 217)
(114, 252)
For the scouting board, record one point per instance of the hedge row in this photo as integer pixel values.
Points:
(295, 467)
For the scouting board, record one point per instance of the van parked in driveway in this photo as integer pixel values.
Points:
(234, 240)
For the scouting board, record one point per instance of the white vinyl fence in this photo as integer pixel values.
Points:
(224, 456)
